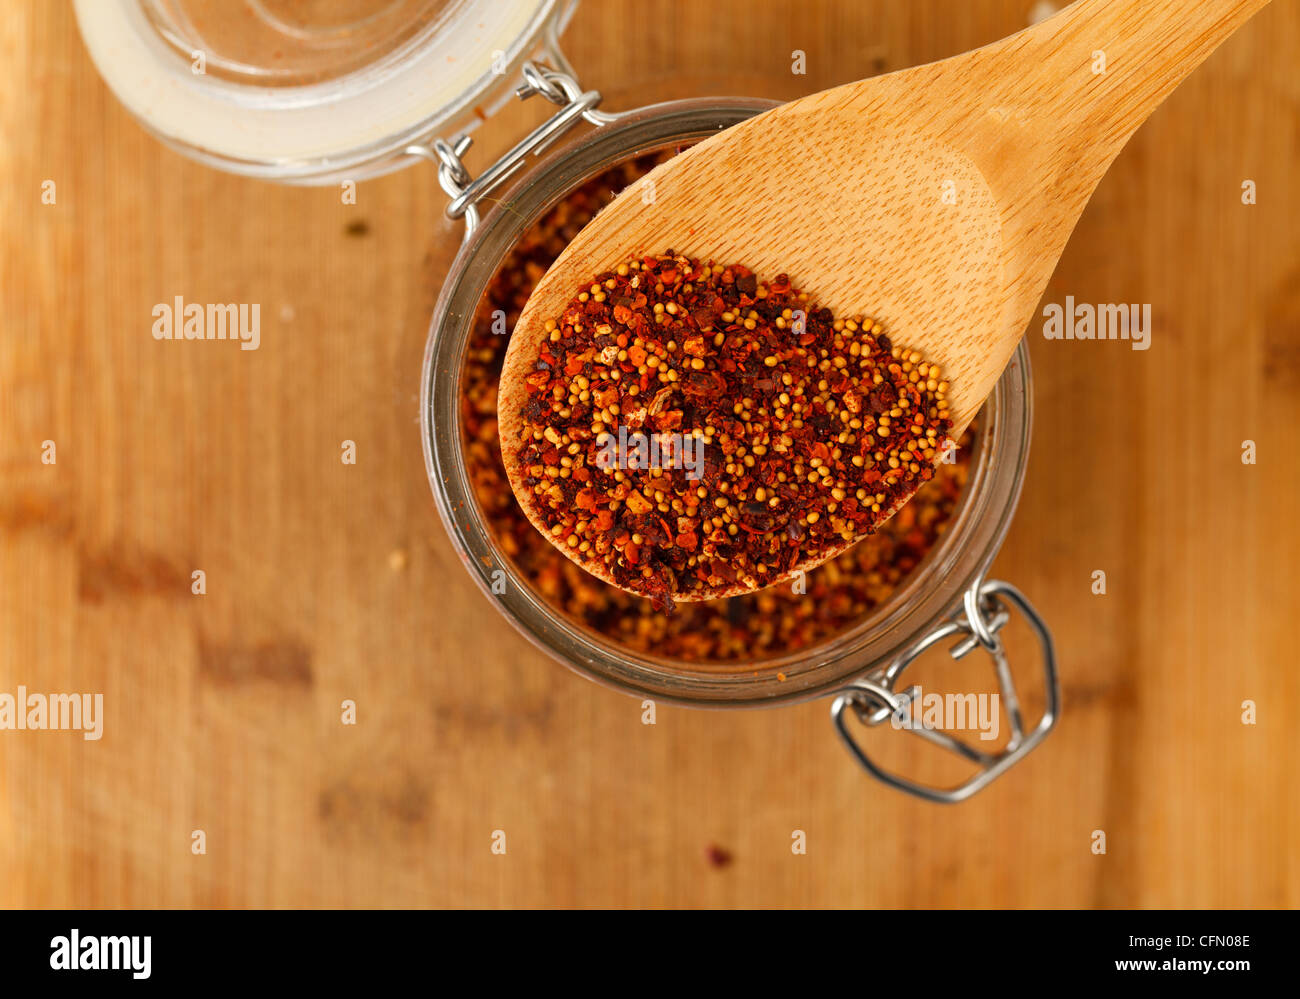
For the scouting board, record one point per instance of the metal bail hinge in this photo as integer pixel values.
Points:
(465, 192)
(977, 623)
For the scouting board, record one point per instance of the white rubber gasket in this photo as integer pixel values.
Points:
(295, 132)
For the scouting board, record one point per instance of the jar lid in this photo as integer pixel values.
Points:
(310, 91)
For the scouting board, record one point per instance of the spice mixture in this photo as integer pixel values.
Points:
(743, 628)
(767, 432)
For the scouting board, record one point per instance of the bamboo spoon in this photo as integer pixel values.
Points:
(937, 199)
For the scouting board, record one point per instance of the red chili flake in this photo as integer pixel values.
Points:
(717, 856)
(604, 398)
(638, 504)
(665, 422)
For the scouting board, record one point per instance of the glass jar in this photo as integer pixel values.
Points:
(365, 90)
(947, 596)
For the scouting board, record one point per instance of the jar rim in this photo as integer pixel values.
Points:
(961, 556)
(349, 127)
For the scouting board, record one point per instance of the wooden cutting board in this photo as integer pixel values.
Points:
(328, 582)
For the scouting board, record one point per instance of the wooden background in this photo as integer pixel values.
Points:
(223, 710)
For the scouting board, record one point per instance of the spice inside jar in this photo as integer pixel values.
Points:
(774, 621)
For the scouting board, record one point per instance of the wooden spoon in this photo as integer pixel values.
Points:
(937, 199)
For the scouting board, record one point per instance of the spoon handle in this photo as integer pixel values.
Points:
(1060, 101)
(1110, 63)
(1080, 84)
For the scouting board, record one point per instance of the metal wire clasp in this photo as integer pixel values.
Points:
(977, 622)
(465, 192)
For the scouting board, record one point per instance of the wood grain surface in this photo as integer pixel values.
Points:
(327, 581)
